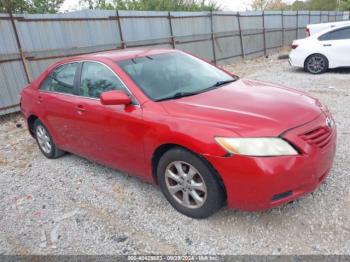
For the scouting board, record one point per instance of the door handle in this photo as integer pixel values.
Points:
(80, 109)
(327, 45)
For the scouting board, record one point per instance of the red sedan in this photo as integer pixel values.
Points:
(207, 137)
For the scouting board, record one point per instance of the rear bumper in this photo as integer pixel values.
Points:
(296, 58)
(258, 183)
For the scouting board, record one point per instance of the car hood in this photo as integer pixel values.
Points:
(248, 108)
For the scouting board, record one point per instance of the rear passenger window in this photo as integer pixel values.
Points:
(96, 79)
(339, 34)
(61, 79)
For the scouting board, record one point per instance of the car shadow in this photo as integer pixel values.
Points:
(119, 177)
(340, 70)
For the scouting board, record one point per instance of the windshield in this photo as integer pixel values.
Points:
(173, 75)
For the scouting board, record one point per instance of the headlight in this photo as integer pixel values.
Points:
(256, 146)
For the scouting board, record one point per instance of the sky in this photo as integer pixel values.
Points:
(227, 5)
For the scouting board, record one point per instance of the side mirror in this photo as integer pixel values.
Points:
(115, 97)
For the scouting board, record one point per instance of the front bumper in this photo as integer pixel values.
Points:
(258, 183)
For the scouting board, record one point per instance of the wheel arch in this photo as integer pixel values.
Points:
(30, 121)
(162, 149)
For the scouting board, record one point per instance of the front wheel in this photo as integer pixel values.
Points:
(189, 184)
(316, 64)
(45, 142)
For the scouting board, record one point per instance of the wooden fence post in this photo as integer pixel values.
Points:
(240, 34)
(120, 31)
(309, 16)
(212, 35)
(297, 27)
(171, 31)
(19, 46)
(283, 29)
(320, 16)
(264, 32)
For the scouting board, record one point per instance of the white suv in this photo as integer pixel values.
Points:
(327, 49)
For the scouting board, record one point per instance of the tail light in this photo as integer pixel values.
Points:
(294, 46)
(307, 32)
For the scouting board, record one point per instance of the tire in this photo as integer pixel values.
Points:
(206, 194)
(45, 141)
(316, 64)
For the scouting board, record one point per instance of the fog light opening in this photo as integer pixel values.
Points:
(282, 195)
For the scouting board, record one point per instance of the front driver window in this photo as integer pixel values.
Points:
(96, 79)
(61, 79)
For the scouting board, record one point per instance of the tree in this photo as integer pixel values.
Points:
(97, 4)
(322, 5)
(259, 4)
(298, 5)
(276, 5)
(154, 5)
(31, 6)
(46, 6)
(18, 6)
(345, 5)
(319, 5)
(268, 5)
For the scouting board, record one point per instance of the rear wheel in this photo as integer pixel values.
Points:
(45, 142)
(189, 184)
(316, 64)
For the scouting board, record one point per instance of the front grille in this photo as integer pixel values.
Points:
(319, 137)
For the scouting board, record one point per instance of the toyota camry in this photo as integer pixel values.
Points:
(207, 137)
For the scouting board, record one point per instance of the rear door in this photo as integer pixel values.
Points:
(56, 100)
(336, 46)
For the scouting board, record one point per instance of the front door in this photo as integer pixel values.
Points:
(111, 135)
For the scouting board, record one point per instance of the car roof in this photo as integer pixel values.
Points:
(330, 29)
(335, 23)
(118, 55)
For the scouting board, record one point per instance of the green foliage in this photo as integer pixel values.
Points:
(31, 6)
(323, 5)
(154, 5)
(46, 6)
(19, 6)
(345, 5)
(298, 5)
(319, 5)
(259, 4)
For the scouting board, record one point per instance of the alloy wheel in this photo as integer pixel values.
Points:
(185, 184)
(44, 139)
(316, 64)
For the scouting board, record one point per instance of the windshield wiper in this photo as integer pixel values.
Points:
(178, 95)
(221, 83)
(183, 94)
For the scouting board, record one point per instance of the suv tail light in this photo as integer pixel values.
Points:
(294, 46)
(307, 32)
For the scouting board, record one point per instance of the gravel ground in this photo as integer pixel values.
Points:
(73, 206)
